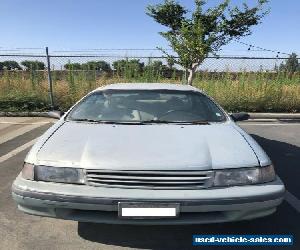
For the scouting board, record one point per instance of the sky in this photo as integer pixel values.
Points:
(69, 25)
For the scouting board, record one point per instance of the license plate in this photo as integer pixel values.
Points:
(141, 210)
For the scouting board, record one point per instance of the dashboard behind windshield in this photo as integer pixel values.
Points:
(147, 105)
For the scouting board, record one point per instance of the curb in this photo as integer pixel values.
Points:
(279, 116)
(254, 116)
(24, 114)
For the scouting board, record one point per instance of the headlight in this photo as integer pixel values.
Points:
(244, 176)
(58, 174)
(53, 174)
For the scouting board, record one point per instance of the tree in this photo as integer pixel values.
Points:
(33, 65)
(120, 65)
(156, 66)
(11, 65)
(129, 67)
(170, 62)
(72, 66)
(291, 65)
(97, 65)
(206, 31)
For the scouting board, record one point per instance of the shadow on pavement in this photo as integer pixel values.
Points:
(286, 159)
(285, 221)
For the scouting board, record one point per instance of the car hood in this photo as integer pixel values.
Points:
(157, 146)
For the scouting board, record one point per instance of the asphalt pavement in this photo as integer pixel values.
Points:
(281, 140)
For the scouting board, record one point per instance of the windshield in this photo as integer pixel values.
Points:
(146, 106)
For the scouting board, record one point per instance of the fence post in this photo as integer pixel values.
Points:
(49, 79)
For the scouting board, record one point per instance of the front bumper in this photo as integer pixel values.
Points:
(99, 204)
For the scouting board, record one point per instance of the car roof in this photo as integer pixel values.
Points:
(149, 86)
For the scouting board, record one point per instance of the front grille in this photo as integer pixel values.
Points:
(144, 179)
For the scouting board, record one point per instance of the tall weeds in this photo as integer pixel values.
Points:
(243, 91)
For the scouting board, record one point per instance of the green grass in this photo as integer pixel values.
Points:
(245, 91)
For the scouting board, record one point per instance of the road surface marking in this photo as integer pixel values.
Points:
(292, 200)
(18, 132)
(6, 124)
(17, 150)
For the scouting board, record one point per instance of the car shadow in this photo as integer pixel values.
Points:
(286, 158)
(285, 221)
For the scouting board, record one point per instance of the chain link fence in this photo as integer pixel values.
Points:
(59, 80)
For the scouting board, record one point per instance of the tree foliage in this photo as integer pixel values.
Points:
(72, 66)
(91, 65)
(291, 65)
(33, 65)
(156, 66)
(10, 65)
(131, 67)
(97, 65)
(193, 37)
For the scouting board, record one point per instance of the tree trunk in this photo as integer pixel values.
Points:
(191, 77)
(186, 76)
(192, 71)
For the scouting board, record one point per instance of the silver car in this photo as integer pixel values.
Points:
(147, 154)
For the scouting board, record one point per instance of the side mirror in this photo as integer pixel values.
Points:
(241, 116)
(56, 114)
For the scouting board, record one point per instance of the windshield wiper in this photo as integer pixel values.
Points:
(200, 122)
(106, 121)
(157, 121)
(84, 120)
(204, 122)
